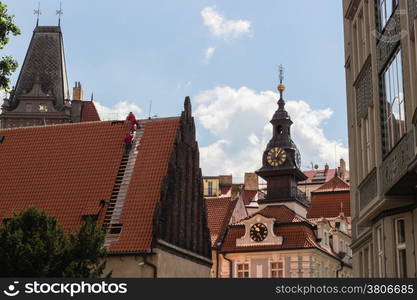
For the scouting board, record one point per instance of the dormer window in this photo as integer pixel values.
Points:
(280, 130)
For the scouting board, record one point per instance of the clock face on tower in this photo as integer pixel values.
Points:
(276, 157)
(258, 232)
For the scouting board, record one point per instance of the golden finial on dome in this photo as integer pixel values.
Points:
(281, 87)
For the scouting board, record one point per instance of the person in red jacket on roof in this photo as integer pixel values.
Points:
(135, 123)
(128, 143)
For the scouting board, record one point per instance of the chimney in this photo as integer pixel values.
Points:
(77, 92)
(225, 180)
(251, 182)
(342, 168)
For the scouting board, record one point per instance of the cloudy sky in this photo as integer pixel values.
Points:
(223, 54)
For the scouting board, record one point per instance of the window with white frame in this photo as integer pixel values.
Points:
(385, 10)
(242, 270)
(394, 103)
(277, 269)
(210, 188)
(401, 253)
(380, 251)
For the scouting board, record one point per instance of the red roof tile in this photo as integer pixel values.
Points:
(219, 213)
(329, 205)
(329, 174)
(144, 191)
(224, 190)
(68, 169)
(63, 169)
(295, 236)
(89, 112)
(336, 184)
(248, 196)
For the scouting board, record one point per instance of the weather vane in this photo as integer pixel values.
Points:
(59, 12)
(281, 73)
(38, 13)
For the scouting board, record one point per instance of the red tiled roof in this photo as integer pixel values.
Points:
(68, 169)
(219, 212)
(144, 191)
(295, 236)
(329, 205)
(224, 190)
(89, 112)
(63, 169)
(329, 174)
(248, 196)
(336, 184)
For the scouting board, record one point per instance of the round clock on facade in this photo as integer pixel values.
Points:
(258, 232)
(276, 157)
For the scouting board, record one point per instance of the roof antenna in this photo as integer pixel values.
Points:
(59, 12)
(92, 97)
(38, 13)
(150, 109)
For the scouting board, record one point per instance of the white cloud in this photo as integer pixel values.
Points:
(208, 54)
(119, 111)
(239, 120)
(221, 27)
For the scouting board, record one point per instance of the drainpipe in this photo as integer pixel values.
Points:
(230, 266)
(340, 269)
(147, 263)
(217, 263)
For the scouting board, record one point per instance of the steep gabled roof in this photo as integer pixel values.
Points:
(330, 199)
(144, 191)
(219, 213)
(68, 170)
(318, 176)
(248, 196)
(336, 184)
(89, 112)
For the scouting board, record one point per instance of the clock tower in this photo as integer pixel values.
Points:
(281, 162)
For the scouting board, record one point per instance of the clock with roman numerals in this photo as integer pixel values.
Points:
(276, 157)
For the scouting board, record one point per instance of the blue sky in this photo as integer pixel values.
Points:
(130, 52)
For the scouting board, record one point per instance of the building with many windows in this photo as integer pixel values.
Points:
(381, 76)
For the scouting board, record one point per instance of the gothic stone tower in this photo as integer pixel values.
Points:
(41, 95)
(281, 162)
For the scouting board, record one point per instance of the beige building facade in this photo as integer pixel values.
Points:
(381, 75)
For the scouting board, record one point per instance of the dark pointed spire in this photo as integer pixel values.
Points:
(44, 64)
(281, 113)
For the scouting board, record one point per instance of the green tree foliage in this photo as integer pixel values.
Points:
(32, 244)
(7, 64)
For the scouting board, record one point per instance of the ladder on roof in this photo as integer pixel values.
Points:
(111, 221)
